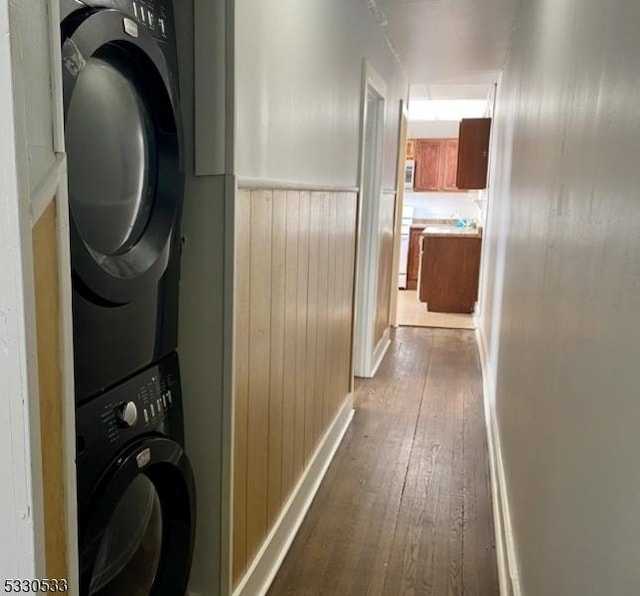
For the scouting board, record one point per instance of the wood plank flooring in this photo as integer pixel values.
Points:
(405, 507)
(413, 313)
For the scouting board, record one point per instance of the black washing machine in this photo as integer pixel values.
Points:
(123, 141)
(135, 488)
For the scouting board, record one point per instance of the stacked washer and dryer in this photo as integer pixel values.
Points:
(136, 498)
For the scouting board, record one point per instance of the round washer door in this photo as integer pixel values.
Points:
(121, 132)
(137, 536)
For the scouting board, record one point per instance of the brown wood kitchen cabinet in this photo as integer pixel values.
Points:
(450, 271)
(411, 148)
(428, 176)
(450, 165)
(413, 259)
(436, 165)
(473, 153)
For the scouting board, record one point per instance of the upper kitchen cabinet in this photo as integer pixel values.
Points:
(429, 153)
(450, 165)
(473, 153)
(411, 148)
(436, 165)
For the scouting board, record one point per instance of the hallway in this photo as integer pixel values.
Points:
(405, 505)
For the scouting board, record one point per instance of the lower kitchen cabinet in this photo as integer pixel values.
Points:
(450, 272)
(413, 258)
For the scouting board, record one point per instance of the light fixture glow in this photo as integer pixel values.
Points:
(446, 109)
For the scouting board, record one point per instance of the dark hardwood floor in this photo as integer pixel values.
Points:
(405, 507)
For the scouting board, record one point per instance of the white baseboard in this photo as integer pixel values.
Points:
(380, 352)
(508, 575)
(263, 570)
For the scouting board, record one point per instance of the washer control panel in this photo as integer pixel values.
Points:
(155, 398)
(127, 414)
(147, 403)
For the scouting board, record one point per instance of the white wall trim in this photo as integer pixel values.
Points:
(55, 183)
(228, 391)
(381, 351)
(262, 571)
(68, 379)
(47, 188)
(374, 80)
(247, 183)
(403, 125)
(55, 50)
(508, 574)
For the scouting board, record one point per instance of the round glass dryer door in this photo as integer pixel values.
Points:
(112, 160)
(123, 152)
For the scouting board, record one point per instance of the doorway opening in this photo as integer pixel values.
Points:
(443, 212)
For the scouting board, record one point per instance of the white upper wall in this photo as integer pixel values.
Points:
(446, 205)
(298, 90)
(439, 129)
(564, 278)
(33, 81)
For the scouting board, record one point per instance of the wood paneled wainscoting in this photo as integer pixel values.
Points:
(294, 285)
(50, 385)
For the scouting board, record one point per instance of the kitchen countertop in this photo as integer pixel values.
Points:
(452, 232)
(443, 221)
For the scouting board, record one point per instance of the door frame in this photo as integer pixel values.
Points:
(403, 131)
(366, 258)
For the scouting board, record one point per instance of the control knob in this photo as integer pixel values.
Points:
(127, 414)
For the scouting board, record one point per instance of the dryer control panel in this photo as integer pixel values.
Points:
(156, 16)
(153, 15)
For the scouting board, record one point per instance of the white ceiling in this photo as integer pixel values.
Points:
(448, 41)
(439, 91)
